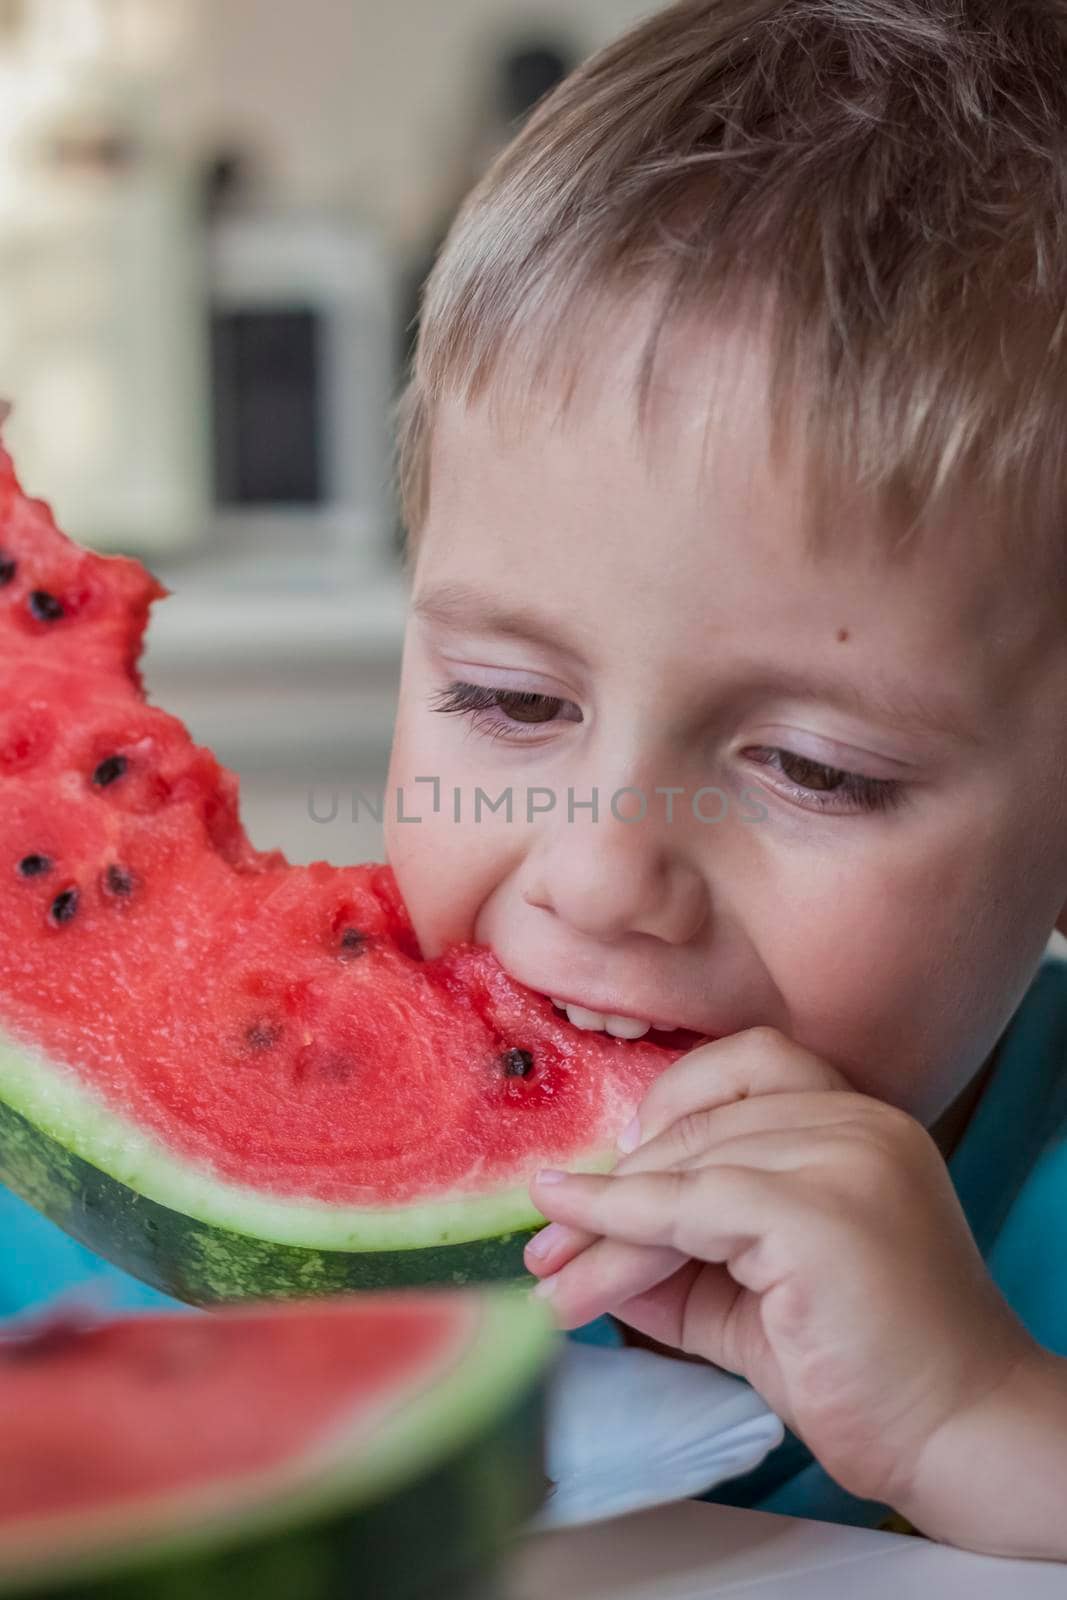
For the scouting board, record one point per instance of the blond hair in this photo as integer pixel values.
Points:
(890, 176)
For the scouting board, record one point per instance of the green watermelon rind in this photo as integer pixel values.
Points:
(434, 1492)
(180, 1227)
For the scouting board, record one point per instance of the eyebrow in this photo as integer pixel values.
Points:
(461, 605)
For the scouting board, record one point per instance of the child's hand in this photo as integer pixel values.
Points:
(784, 1227)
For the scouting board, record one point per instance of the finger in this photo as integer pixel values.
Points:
(686, 1305)
(553, 1247)
(780, 1132)
(702, 1311)
(759, 1061)
(709, 1213)
(693, 1310)
(687, 1144)
(607, 1274)
(712, 1127)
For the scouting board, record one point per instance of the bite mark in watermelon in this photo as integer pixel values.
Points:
(383, 1445)
(231, 1075)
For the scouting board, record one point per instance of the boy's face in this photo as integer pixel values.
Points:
(655, 597)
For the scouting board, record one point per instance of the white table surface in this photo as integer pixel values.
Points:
(691, 1551)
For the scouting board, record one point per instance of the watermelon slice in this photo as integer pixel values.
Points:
(233, 1076)
(383, 1445)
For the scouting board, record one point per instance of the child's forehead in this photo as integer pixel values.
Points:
(707, 419)
(697, 426)
(578, 473)
(694, 404)
(532, 555)
(667, 382)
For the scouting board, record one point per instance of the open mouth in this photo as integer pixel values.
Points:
(631, 1028)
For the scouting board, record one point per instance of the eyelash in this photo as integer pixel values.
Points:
(862, 793)
(487, 709)
(487, 712)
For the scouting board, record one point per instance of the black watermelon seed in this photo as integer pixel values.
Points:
(110, 769)
(517, 1063)
(353, 943)
(64, 905)
(261, 1035)
(8, 568)
(118, 880)
(45, 607)
(35, 866)
(334, 1067)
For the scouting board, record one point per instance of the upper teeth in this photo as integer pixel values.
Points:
(603, 1022)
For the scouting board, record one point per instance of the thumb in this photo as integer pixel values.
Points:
(701, 1311)
(689, 1311)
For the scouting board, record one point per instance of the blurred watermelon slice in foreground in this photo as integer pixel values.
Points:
(377, 1445)
(232, 1076)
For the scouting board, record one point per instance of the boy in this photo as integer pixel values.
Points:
(733, 462)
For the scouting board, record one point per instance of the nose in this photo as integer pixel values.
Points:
(613, 878)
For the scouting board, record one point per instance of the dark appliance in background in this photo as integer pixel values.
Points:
(301, 364)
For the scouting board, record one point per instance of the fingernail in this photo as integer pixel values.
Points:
(630, 1137)
(547, 1287)
(543, 1243)
(548, 1175)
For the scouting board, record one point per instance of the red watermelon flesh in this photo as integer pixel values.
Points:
(273, 1024)
(133, 1410)
(317, 1449)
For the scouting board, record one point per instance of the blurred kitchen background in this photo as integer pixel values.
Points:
(214, 218)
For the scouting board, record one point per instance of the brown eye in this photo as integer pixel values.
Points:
(495, 712)
(520, 707)
(830, 789)
(810, 774)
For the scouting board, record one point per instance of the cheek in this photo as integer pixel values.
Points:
(440, 873)
(902, 971)
(446, 868)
